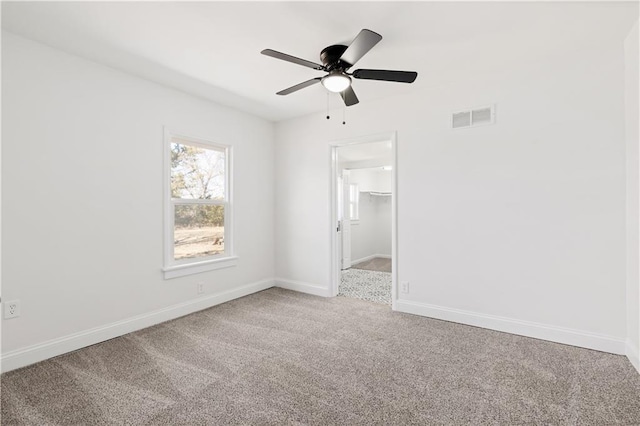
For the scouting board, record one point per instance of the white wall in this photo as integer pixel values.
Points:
(371, 235)
(372, 179)
(633, 191)
(385, 224)
(364, 232)
(517, 226)
(385, 181)
(82, 198)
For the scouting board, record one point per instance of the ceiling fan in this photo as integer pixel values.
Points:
(336, 60)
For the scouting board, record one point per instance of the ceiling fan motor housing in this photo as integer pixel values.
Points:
(330, 57)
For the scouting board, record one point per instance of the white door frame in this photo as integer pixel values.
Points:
(345, 222)
(334, 252)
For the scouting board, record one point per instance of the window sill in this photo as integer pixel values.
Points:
(198, 267)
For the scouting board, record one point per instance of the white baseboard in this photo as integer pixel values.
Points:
(363, 259)
(367, 258)
(29, 355)
(632, 353)
(302, 287)
(563, 335)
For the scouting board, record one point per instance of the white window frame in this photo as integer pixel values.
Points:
(354, 190)
(177, 268)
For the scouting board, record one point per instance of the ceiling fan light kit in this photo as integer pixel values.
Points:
(336, 60)
(336, 81)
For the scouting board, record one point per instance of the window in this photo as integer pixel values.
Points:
(354, 202)
(198, 207)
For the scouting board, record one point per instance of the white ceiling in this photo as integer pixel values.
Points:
(212, 49)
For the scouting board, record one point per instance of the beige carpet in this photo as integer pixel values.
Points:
(380, 264)
(279, 357)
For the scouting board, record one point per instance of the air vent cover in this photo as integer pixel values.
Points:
(473, 117)
(461, 119)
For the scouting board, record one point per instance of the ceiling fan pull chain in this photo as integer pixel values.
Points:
(344, 112)
(328, 106)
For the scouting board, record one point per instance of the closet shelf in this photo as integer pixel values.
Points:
(377, 193)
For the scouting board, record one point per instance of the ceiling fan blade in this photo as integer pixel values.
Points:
(386, 75)
(299, 86)
(289, 58)
(349, 96)
(363, 43)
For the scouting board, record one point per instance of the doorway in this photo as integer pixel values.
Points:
(363, 218)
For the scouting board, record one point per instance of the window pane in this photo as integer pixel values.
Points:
(197, 173)
(198, 231)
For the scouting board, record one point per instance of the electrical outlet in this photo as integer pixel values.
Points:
(11, 309)
(200, 287)
(404, 287)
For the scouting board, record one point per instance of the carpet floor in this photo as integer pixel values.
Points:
(376, 264)
(373, 286)
(280, 357)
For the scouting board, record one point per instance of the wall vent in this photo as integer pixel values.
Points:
(461, 119)
(473, 117)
